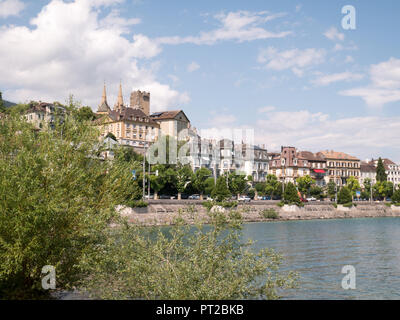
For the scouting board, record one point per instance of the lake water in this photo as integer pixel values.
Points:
(318, 249)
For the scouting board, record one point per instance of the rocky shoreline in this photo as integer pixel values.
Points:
(160, 213)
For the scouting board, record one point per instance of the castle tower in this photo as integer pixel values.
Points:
(119, 105)
(140, 100)
(103, 106)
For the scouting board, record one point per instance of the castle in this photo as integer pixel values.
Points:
(134, 125)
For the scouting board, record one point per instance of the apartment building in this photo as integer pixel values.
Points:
(340, 166)
(44, 115)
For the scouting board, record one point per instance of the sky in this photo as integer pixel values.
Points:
(287, 69)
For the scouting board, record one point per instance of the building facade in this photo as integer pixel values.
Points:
(340, 166)
(392, 170)
(130, 126)
(288, 165)
(44, 115)
(173, 123)
(367, 171)
(317, 165)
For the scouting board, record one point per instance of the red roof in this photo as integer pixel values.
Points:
(319, 171)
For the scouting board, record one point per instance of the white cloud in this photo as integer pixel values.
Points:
(237, 26)
(193, 66)
(10, 8)
(266, 109)
(222, 119)
(333, 34)
(72, 50)
(384, 86)
(316, 131)
(347, 76)
(296, 59)
(349, 59)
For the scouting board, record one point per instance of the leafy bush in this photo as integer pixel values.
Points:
(396, 197)
(228, 204)
(348, 205)
(344, 196)
(334, 204)
(290, 195)
(269, 214)
(208, 204)
(280, 204)
(182, 263)
(136, 203)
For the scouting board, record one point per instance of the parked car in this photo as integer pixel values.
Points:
(194, 197)
(311, 199)
(209, 198)
(164, 196)
(244, 199)
(303, 200)
(147, 197)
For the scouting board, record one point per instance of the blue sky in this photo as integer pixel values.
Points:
(285, 68)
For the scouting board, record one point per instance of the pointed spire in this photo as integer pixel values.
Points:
(103, 106)
(104, 96)
(119, 106)
(120, 98)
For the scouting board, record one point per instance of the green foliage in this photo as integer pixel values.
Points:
(208, 204)
(383, 189)
(353, 185)
(57, 199)
(396, 197)
(304, 184)
(209, 185)
(237, 183)
(331, 189)
(84, 114)
(2, 107)
(228, 204)
(272, 186)
(317, 192)
(269, 214)
(184, 176)
(381, 175)
(344, 196)
(281, 203)
(290, 195)
(348, 204)
(260, 187)
(334, 204)
(200, 180)
(182, 263)
(221, 191)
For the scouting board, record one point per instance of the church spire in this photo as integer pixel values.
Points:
(119, 106)
(103, 106)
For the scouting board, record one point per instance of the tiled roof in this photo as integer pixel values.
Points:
(129, 114)
(367, 167)
(310, 156)
(165, 115)
(330, 154)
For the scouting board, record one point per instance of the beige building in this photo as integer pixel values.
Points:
(340, 166)
(288, 165)
(44, 115)
(172, 123)
(131, 126)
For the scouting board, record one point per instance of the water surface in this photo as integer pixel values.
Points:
(318, 249)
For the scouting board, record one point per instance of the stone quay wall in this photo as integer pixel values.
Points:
(165, 212)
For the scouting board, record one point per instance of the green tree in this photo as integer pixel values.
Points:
(344, 196)
(221, 191)
(237, 184)
(353, 185)
(290, 195)
(158, 179)
(317, 192)
(272, 185)
(396, 197)
(209, 185)
(380, 171)
(331, 189)
(2, 107)
(304, 184)
(57, 200)
(184, 176)
(84, 114)
(200, 180)
(260, 188)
